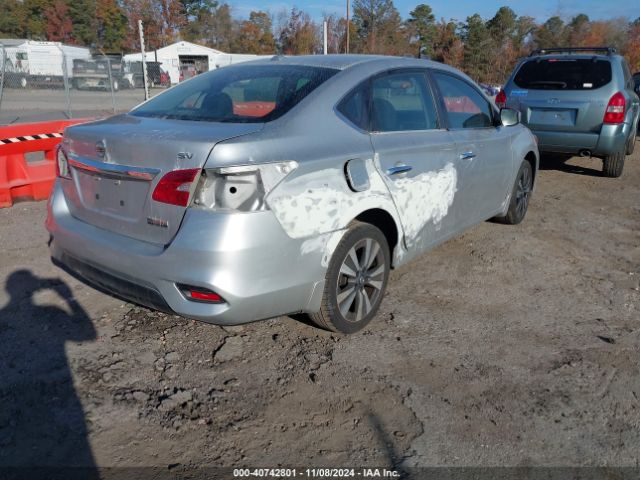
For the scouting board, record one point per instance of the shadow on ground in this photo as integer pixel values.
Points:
(559, 162)
(42, 423)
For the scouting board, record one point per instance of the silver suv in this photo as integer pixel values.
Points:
(578, 101)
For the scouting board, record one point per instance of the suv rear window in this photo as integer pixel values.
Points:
(563, 74)
(242, 94)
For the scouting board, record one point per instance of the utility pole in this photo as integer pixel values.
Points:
(347, 26)
(324, 36)
(144, 61)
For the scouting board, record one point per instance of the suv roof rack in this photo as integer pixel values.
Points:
(544, 51)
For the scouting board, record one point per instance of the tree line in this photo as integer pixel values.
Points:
(484, 48)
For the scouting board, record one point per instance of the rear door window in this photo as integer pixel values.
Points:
(402, 102)
(465, 106)
(564, 74)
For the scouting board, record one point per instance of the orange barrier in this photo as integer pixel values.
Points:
(19, 178)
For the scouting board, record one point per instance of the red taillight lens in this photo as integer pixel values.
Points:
(615, 109)
(198, 294)
(501, 99)
(175, 187)
(206, 296)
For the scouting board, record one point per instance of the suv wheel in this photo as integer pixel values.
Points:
(612, 165)
(355, 281)
(632, 143)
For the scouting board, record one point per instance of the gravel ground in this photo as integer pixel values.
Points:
(507, 346)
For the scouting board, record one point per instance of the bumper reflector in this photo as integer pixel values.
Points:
(199, 294)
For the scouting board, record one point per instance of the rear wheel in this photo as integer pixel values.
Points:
(631, 145)
(612, 165)
(520, 195)
(355, 281)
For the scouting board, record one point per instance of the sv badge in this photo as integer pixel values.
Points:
(185, 155)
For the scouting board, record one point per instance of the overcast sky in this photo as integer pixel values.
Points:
(459, 10)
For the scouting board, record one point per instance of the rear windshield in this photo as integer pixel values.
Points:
(238, 94)
(564, 74)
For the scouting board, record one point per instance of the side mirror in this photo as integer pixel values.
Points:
(509, 117)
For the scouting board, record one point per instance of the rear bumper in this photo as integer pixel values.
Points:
(247, 259)
(610, 140)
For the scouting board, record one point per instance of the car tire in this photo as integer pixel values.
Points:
(520, 196)
(355, 281)
(631, 144)
(612, 165)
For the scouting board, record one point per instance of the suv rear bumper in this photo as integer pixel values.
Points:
(611, 139)
(247, 259)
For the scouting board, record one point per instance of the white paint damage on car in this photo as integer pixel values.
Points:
(425, 198)
(313, 206)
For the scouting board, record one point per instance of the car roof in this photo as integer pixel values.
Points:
(343, 62)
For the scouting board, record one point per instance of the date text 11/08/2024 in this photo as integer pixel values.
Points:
(315, 473)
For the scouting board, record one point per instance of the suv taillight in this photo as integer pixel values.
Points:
(175, 187)
(615, 109)
(501, 99)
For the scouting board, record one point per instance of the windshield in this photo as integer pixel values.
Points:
(564, 74)
(238, 94)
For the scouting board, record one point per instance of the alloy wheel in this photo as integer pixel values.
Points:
(360, 280)
(523, 192)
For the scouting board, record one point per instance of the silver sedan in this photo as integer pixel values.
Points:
(286, 185)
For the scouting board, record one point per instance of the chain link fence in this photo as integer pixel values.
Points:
(42, 81)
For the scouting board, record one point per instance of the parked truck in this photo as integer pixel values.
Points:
(100, 72)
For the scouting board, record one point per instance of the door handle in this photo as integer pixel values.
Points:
(398, 169)
(467, 156)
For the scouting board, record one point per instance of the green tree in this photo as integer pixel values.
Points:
(502, 26)
(111, 23)
(552, 33)
(380, 28)
(12, 19)
(422, 23)
(35, 21)
(83, 16)
(255, 35)
(477, 48)
(298, 35)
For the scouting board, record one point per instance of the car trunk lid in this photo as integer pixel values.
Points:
(116, 164)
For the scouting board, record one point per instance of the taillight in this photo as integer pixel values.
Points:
(175, 187)
(615, 109)
(501, 99)
(62, 163)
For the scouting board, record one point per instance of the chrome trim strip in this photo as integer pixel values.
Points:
(114, 170)
(399, 169)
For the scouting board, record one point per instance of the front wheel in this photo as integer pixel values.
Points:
(355, 281)
(520, 195)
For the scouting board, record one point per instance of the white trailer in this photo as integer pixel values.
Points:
(182, 60)
(42, 63)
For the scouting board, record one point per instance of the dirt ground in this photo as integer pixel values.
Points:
(508, 346)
